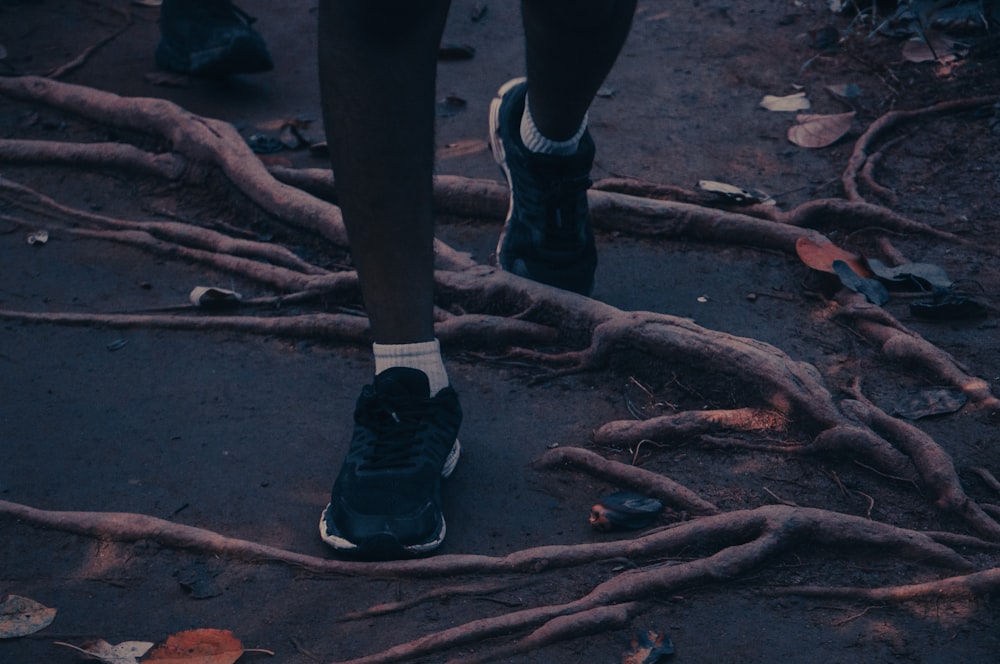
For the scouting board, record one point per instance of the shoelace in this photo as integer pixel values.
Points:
(240, 13)
(395, 432)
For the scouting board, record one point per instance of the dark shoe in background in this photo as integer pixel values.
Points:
(210, 38)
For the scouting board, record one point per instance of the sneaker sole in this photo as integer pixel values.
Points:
(500, 155)
(347, 546)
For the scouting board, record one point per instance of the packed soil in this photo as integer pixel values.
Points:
(240, 431)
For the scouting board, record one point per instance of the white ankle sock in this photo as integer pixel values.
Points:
(536, 142)
(425, 356)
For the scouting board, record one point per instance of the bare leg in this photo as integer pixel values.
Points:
(571, 46)
(377, 64)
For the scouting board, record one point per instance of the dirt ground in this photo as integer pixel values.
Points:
(241, 433)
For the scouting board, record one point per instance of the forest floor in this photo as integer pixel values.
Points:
(240, 431)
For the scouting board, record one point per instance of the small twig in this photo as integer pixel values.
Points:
(90, 50)
(780, 500)
(635, 455)
(844, 621)
(299, 648)
(886, 475)
(871, 502)
(988, 477)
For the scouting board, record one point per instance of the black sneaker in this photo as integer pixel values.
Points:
(386, 500)
(209, 38)
(547, 236)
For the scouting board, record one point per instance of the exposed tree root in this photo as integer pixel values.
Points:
(652, 483)
(967, 586)
(742, 541)
(689, 423)
(483, 307)
(863, 146)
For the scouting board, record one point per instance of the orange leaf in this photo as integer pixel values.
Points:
(198, 646)
(821, 255)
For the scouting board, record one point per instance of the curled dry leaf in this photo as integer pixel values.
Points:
(198, 646)
(20, 616)
(819, 131)
(127, 652)
(822, 255)
(209, 296)
(792, 102)
(38, 237)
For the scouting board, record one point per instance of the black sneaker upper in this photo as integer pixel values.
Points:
(209, 38)
(547, 236)
(386, 500)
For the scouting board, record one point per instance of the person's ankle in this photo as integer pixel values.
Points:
(424, 356)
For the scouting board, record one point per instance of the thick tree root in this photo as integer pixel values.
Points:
(741, 541)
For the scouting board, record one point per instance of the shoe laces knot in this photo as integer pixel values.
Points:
(395, 444)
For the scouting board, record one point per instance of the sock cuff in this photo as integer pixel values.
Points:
(424, 355)
(405, 351)
(536, 142)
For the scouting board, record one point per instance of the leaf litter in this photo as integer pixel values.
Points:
(127, 652)
(20, 616)
(819, 131)
(195, 646)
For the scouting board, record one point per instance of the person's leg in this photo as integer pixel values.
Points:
(377, 62)
(539, 137)
(209, 38)
(570, 46)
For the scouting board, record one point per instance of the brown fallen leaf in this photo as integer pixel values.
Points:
(127, 652)
(20, 616)
(819, 131)
(200, 646)
(822, 255)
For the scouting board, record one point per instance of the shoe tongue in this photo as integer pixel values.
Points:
(402, 382)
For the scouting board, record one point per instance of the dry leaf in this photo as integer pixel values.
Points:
(38, 237)
(822, 255)
(198, 646)
(936, 47)
(20, 616)
(732, 192)
(127, 652)
(209, 296)
(844, 90)
(792, 102)
(819, 131)
(648, 647)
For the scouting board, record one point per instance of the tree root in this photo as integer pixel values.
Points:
(648, 482)
(689, 423)
(744, 540)
(863, 145)
(968, 586)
